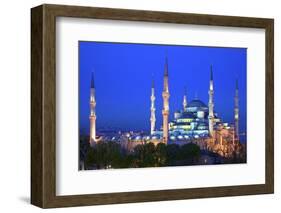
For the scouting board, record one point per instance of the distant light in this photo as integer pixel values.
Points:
(180, 137)
(173, 137)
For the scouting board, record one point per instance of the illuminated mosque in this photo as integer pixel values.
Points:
(196, 122)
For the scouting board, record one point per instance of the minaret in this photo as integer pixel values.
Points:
(236, 110)
(152, 110)
(165, 111)
(211, 104)
(184, 103)
(93, 112)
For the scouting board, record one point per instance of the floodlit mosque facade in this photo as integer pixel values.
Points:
(196, 122)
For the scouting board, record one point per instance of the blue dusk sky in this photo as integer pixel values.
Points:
(123, 74)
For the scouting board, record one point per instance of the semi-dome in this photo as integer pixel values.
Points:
(196, 103)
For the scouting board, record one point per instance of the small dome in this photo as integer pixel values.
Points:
(196, 103)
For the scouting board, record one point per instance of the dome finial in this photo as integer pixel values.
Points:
(196, 95)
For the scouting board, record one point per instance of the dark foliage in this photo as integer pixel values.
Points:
(106, 155)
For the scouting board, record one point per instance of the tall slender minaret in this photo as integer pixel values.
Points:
(184, 103)
(152, 109)
(211, 104)
(93, 112)
(236, 110)
(165, 111)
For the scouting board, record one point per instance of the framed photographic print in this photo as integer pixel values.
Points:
(136, 106)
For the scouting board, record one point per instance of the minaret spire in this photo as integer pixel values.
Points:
(236, 110)
(152, 109)
(92, 111)
(165, 111)
(166, 85)
(184, 103)
(211, 73)
(166, 67)
(211, 104)
(92, 81)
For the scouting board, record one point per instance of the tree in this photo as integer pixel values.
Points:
(172, 151)
(139, 154)
(108, 154)
(90, 159)
(101, 155)
(190, 152)
(113, 154)
(149, 156)
(83, 147)
(145, 155)
(161, 154)
(127, 161)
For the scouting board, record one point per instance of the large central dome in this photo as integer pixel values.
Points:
(196, 103)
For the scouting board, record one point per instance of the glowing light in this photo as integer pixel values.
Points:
(173, 137)
(180, 137)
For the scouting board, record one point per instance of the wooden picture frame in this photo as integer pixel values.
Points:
(43, 105)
